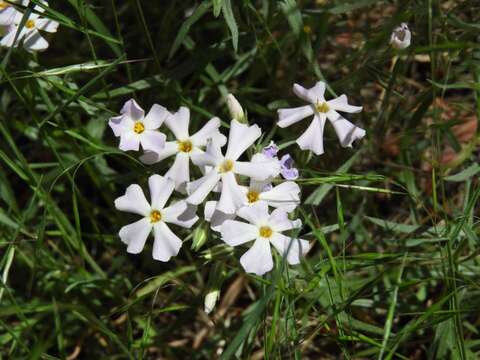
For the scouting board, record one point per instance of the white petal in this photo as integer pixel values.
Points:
(255, 214)
(8, 39)
(258, 259)
(341, 104)
(285, 196)
(34, 42)
(240, 138)
(280, 222)
(259, 170)
(46, 25)
(215, 217)
(133, 110)
(312, 95)
(293, 249)
(178, 123)
(287, 117)
(211, 157)
(7, 16)
(152, 140)
(133, 201)
(120, 124)
(161, 189)
(129, 141)
(152, 157)
(232, 196)
(208, 130)
(199, 189)
(135, 235)
(166, 243)
(236, 232)
(347, 132)
(180, 170)
(312, 138)
(155, 117)
(181, 213)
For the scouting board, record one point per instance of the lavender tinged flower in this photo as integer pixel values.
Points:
(286, 168)
(271, 150)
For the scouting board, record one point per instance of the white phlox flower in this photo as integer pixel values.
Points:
(235, 109)
(285, 195)
(30, 32)
(321, 109)
(401, 37)
(154, 216)
(184, 145)
(264, 229)
(134, 128)
(220, 168)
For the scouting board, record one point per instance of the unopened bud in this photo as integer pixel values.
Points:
(235, 109)
(210, 300)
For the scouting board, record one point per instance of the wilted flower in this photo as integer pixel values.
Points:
(134, 128)
(224, 168)
(265, 229)
(235, 109)
(154, 216)
(287, 169)
(29, 34)
(401, 37)
(312, 138)
(184, 145)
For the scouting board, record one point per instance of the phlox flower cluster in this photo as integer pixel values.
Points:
(248, 193)
(30, 33)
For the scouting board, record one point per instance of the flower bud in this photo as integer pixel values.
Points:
(235, 109)
(401, 37)
(210, 300)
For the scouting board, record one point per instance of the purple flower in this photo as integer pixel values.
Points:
(287, 170)
(271, 150)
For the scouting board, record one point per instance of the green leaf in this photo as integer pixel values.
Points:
(465, 174)
(232, 24)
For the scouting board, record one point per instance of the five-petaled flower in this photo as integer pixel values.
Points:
(184, 145)
(134, 128)
(223, 168)
(29, 33)
(264, 229)
(154, 216)
(321, 109)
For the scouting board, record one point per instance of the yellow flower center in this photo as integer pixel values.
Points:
(30, 24)
(265, 231)
(322, 108)
(185, 146)
(307, 29)
(155, 216)
(253, 196)
(138, 127)
(226, 166)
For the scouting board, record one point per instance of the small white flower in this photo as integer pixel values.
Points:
(30, 35)
(184, 145)
(134, 128)
(154, 216)
(312, 138)
(265, 229)
(285, 195)
(235, 109)
(401, 37)
(220, 168)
